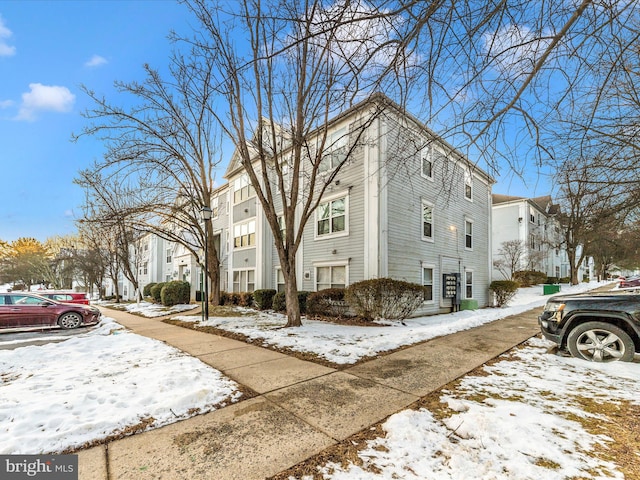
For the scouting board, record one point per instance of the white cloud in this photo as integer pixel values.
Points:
(45, 98)
(95, 61)
(5, 49)
(515, 49)
(6, 103)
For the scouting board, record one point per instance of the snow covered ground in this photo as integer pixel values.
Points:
(107, 380)
(346, 344)
(148, 309)
(516, 422)
(97, 384)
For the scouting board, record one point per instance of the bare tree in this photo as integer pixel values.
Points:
(160, 159)
(283, 74)
(510, 257)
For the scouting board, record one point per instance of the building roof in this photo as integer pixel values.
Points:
(543, 203)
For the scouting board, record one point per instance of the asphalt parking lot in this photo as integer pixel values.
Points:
(10, 341)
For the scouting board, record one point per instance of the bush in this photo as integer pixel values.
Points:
(279, 304)
(504, 290)
(156, 291)
(175, 292)
(264, 298)
(564, 280)
(384, 298)
(245, 299)
(551, 280)
(527, 278)
(146, 291)
(329, 301)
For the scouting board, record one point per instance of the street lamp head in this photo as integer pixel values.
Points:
(206, 213)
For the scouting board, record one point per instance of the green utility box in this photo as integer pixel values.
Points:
(550, 289)
(468, 304)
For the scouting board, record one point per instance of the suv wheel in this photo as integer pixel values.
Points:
(600, 342)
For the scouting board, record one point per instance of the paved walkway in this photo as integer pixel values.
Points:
(300, 408)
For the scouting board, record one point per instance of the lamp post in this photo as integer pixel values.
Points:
(206, 216)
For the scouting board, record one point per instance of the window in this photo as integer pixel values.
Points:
(244, 234)
(169, 257)
(532, 241)
(427, 283)
(426, 160)
(335, 150)
(279, 280)
(532, 215)
(468, 284)
(468, 234)
(242, 189)
(281, 225)
(468, 186)
(333, 276)
(215, 207)
(427, 221)
(332, 217)
(145, 268)
(244, 280)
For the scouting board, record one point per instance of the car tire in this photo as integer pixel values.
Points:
(600, 342)
(69, 320)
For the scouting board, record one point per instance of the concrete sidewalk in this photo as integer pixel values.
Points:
(300, 408)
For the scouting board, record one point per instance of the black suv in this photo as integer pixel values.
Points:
(599, 328)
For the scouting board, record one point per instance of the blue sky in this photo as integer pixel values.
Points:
(47, 50)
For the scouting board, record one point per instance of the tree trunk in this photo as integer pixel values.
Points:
(291, 294)
(213, 267)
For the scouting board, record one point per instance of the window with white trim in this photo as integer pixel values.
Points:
(532, 241)
(244, 280)
(427, 221)
(426, 161)
(468, 234)
(282, 226)
(331, 217)
(427, 283)
(244, 234)
(331, 276)
(468, 283)
(169, 254)
(242, 189)
(215, 207)
(279, 280)
(468, 186)
(335, 150)
(532, 215)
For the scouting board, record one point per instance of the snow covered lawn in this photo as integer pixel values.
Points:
(99, 384)
(531, 416)
(147, 309)
(346, 344)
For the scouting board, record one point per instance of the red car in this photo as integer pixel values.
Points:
(27, 311)
(64, 296)
(630, 282)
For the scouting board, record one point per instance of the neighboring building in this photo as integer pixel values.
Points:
(534, 223)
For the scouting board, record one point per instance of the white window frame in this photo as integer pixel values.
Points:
(242, 230)
(244, 271)
(468, 233)
(428, 266)
(426, 155)
(317, 265)
(242, 186)
(215, 207)
(430, 205)
(468, 186)
(277, 283)
(468, 285)
(335, 150)
(340, 233)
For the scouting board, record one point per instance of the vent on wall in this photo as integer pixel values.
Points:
(307, 275)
